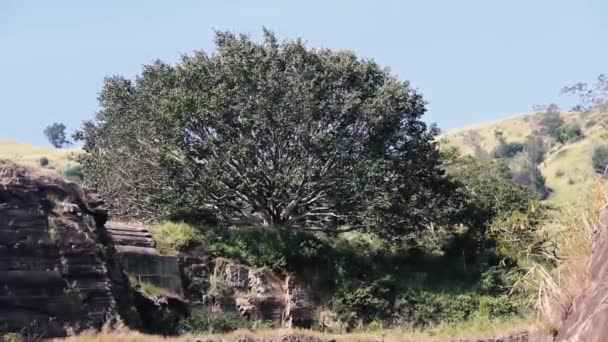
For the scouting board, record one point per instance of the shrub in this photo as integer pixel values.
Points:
(172, 237)
(559, 173)
(550, 122)
(568, 133)
(73, 173)
(600, 159)
(507, 150)
(536, 149)
(365, 302)
(496, 307)
(203, 321)
(44, 161)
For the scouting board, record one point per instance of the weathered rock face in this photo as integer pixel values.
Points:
(259, 295)
(58, 270)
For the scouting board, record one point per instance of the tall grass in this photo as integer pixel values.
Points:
(574, 234)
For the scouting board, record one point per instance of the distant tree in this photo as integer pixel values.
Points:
(270, 134)
(55, 133)
(591, 97)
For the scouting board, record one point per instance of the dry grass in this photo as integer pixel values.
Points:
(491, 329)
(573, 234)
(10, 170)
(573, 161)
(59, 158)
(277, 334)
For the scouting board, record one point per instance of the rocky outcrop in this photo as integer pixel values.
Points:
(588, 317)
(140, 258)
(257, 294)
(59, 272)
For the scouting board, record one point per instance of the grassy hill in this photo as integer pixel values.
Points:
(59, 158)
(567, 168)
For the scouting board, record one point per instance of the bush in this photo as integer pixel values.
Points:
(550, 122)
(568, 133)
(507, 150)
(365, 302)
(73, 173)
(536, 149)
(44, 161)
(600, 159)
(496, 307)
(174, 237)
(203, 321)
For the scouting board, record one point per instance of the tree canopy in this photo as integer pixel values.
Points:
(268, 134)
(55, 133)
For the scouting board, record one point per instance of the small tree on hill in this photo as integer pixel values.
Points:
(591, 97)
(55, 133)
(271, 134)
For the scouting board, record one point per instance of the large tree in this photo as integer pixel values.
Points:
(272, 134)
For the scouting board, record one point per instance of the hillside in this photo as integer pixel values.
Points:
(27, 153)
(567, 167)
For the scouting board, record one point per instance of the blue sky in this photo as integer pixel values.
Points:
(474, 60)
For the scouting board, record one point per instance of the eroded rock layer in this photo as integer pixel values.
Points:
(58, 270)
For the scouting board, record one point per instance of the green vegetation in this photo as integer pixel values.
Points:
(203, 321)
(149, 288)
(73, 173)
(269, 134)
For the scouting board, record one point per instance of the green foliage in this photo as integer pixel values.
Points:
(149, 288)
(500, 306)
(600, 159)
(44, 161)
(268, 134)
(488, 193)
(55, 133)
(568, 133)
(507, 150)
(425, 308)
(74, 173)
(173, 237)
(203, 321)
(366, 302)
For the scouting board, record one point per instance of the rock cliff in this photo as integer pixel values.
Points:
(59, 272)
(257, 294)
